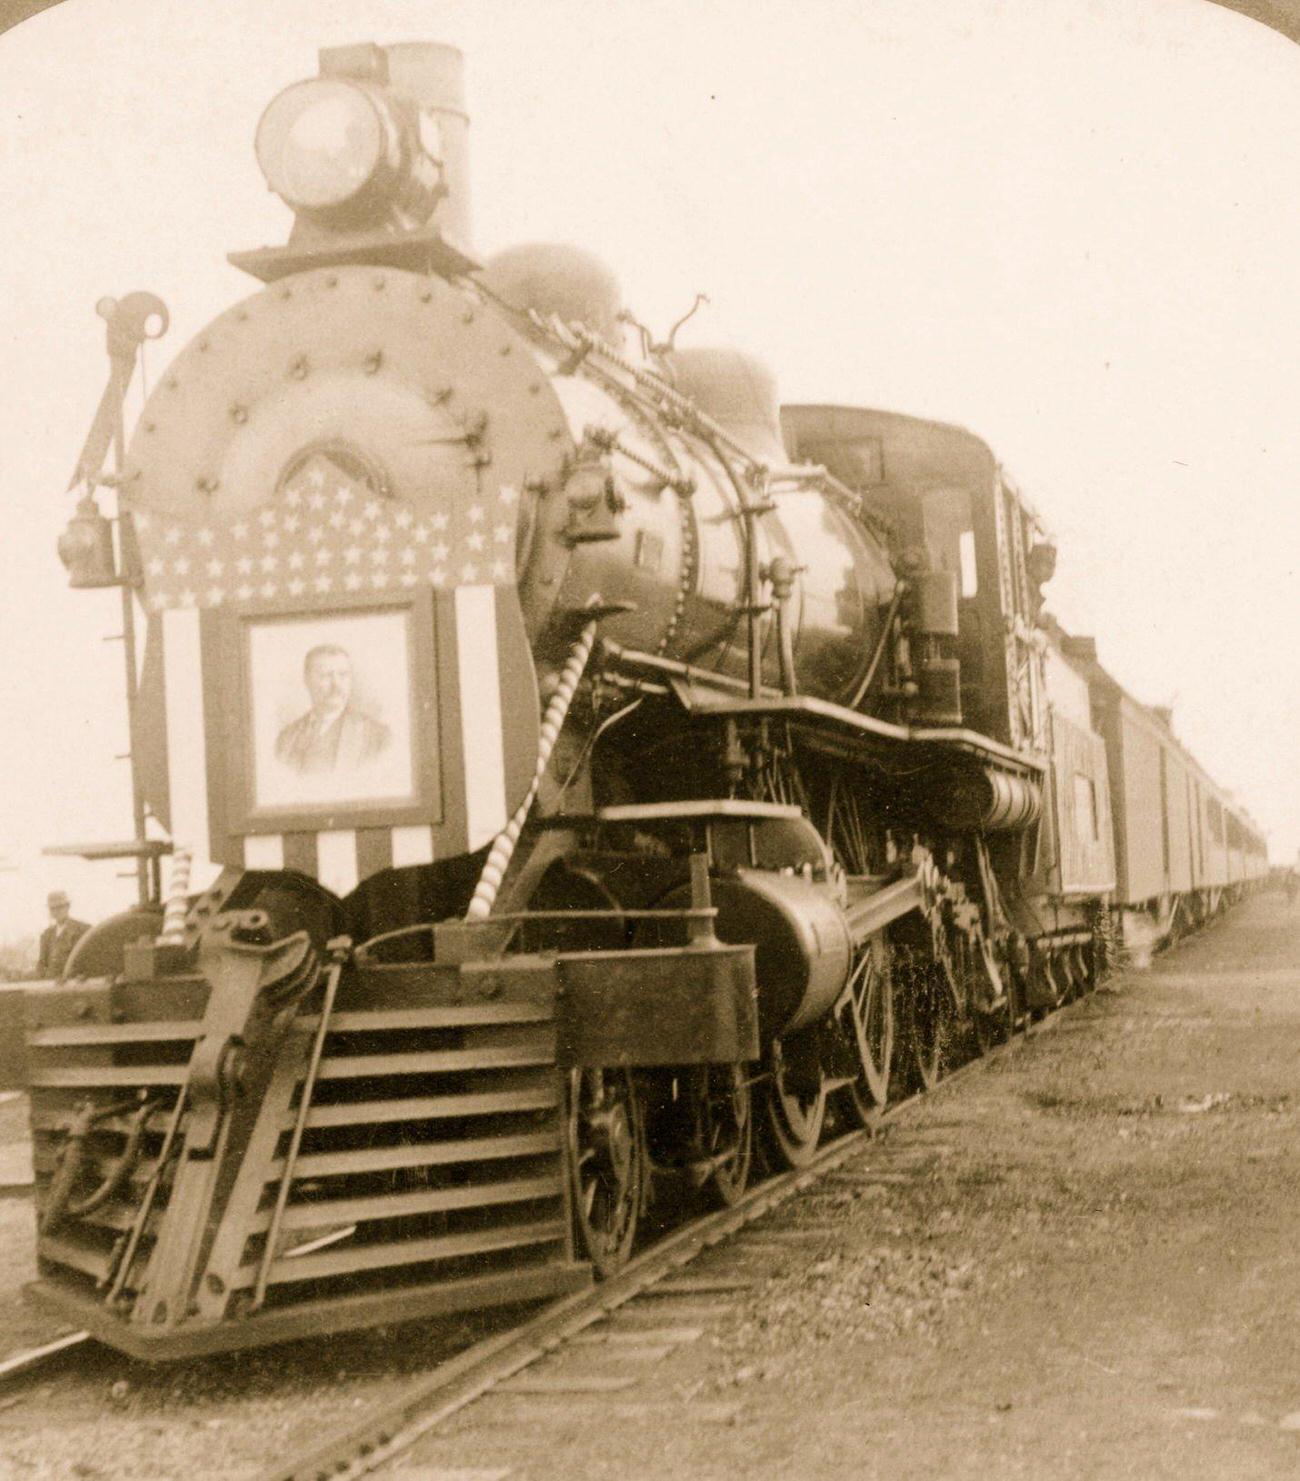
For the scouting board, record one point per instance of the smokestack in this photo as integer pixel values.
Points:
(433, 76)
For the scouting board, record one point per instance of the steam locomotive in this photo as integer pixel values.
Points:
(577, 773)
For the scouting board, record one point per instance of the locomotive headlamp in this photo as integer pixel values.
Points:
(321, 143)
(370, 156)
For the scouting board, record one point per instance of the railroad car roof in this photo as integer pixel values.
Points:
(1081, 654)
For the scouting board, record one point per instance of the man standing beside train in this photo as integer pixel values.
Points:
(59, 937)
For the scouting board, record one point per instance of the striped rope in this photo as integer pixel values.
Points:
(503, 846)
(178, 902)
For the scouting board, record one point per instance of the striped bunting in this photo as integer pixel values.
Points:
(483, 701)
(328, 543)
(340, 857)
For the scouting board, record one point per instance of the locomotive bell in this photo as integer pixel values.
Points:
(86, 547)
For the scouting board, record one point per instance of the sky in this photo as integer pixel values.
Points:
(1069, 225)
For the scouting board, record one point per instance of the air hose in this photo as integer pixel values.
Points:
(60, 1204)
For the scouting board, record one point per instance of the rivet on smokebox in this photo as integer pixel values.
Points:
(239, 414)
(373, 362)
(379, 283)
(332, 281)
(504, 350)
(467, 317)
(298, 369)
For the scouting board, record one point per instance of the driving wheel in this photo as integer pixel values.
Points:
(866, 1017)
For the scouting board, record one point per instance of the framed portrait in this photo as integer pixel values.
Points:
(334, 727)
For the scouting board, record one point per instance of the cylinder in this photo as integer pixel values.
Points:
(802, 944)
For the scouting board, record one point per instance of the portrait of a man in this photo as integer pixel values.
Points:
(333, 735)
(330, 710)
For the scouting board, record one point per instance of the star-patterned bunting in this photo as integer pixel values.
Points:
(327, 533)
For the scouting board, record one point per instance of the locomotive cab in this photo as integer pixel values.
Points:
(950, 500)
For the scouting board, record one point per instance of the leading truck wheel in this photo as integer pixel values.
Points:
(794, 1108)
(607, 1162)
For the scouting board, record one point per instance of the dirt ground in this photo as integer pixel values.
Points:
(1088, 1266)
(1080, 1262)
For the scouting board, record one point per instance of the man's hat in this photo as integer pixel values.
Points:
(57, 897)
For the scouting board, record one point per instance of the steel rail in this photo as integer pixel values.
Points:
(393, 1427)
(460, 1380)
(18, 1363)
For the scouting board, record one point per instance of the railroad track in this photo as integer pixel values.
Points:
(392, 1428)
(18, 1364)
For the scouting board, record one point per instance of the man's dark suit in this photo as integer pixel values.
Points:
(351, 740)
(56, 946)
